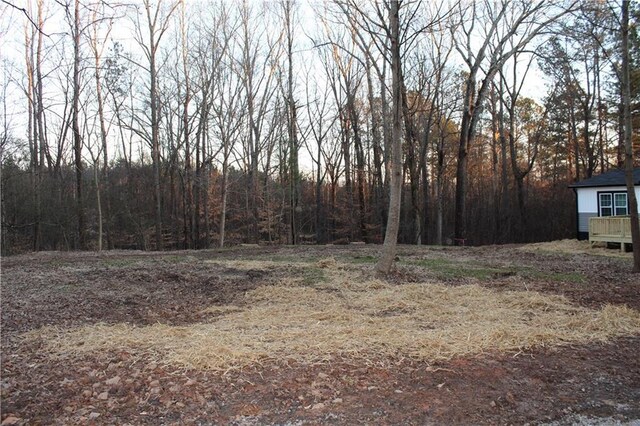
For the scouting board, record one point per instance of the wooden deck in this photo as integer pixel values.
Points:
(611, 229)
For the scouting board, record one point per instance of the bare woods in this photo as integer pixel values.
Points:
(194, 124)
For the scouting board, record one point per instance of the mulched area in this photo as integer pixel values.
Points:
(545, 385)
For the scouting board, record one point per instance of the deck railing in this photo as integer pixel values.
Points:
(610, 229)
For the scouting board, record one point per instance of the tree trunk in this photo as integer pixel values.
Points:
(103, 136)
(378, 188)
(32, 132)
(461, 184)
(77, 137)
(412, 161)
(348, 185)
(294, 173)
(192, 237)
(197, 189)
(155, 126)
(439, 192)
(205, 194)
(393, 223)
(505, 230)
(319, 213)
(386, 137)
(628, 151)
(39, 134)
(466, 134)
(360, 172)
(98, 204)
(495, 196)
(223, 202)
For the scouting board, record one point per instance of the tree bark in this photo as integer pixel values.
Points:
(191, 236)
(628, 151)
(98, 204)
(77, 137)
(377, 147)
(223, 198)
(32, 132)
(360, 171)
(466, 133)
(389, 248)
(294, 173)
(103, 137)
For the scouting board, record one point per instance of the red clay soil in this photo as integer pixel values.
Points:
(589, 384)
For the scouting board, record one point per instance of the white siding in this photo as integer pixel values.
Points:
(588, 197)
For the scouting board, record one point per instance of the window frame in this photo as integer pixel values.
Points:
(613, 202)
(626, 207)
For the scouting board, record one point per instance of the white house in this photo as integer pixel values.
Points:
(602, 195)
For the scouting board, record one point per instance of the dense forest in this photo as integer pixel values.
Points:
(195, 124)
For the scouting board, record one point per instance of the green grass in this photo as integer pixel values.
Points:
(444, 268)
(572, 277)
(447, 269)
(311, 276)
(283, 258)
(119, 263)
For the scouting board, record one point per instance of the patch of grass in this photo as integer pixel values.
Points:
(365, 259)
(445, 268)
(119, 263)
(283, 259)
(572, 277)
(177, 259)
(313, 275)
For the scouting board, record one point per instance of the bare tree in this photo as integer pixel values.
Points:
(206, 128)
(526, 123)
(628, 151)
(157, 21)
(228, 123)
(502, 29)
(344, 79)
(36, 114)
(76, 27)
(260, 53)
(288, 9)
(321, 120)
(391, 236)
(213, 56)
(97, 48)
(444, 105)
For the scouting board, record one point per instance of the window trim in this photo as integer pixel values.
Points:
(613, 202)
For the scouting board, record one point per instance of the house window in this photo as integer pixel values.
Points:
(606, 206)
(613, 204)
(620, 204)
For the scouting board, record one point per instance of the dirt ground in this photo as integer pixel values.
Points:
(592, 383)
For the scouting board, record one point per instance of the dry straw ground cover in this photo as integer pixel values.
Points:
(575, 247)
(347, 315)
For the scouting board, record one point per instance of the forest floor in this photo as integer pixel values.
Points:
(546, 333)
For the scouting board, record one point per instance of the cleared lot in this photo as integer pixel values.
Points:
(283, 334)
